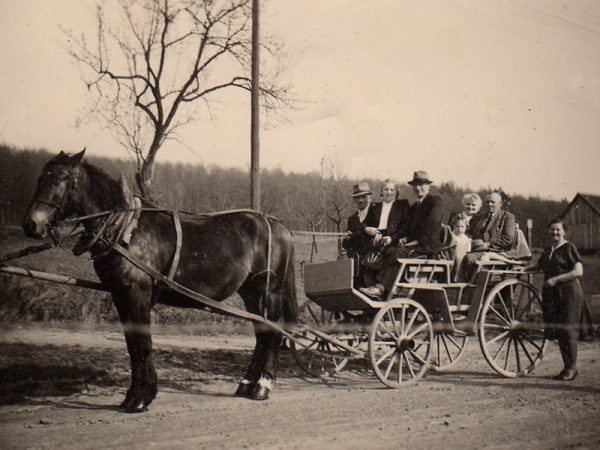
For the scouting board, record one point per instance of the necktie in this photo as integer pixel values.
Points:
(487, 221)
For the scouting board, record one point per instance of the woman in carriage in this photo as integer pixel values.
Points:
(471, 203)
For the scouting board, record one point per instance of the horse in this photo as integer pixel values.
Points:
(218, 255)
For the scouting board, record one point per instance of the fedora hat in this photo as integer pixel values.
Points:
(361, 189)
(478, 245)
(420, 176)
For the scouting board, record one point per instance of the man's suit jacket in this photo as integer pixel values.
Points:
(425, 224)
(397, 224)
(359, 242)
(499, 232)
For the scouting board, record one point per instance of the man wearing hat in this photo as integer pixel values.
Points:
(424, 237)
(361, 229)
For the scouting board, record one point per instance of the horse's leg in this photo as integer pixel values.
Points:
(247, 384)
(280, 301)
(272, 343)
(270, 359)
(133, 305)
(253, 373)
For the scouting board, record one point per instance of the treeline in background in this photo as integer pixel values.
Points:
(316, 201)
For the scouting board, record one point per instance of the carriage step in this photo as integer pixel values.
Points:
(433, 286)
(460, 308)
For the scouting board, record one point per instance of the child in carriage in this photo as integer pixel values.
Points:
(463, 246)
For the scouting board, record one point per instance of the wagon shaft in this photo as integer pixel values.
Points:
(45, 276)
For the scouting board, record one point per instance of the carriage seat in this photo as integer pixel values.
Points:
(519, 253)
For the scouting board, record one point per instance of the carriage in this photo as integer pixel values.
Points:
(424, 322)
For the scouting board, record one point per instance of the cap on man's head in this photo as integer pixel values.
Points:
(420, 176)
(361, 189)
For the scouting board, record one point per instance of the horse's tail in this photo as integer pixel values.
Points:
(290, 300)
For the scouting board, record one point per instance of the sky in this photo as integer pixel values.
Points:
(483, 94)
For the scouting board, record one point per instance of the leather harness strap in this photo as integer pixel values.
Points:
(177, 253)
(269, 239)
(202, 299)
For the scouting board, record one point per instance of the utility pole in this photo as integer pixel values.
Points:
(255, 112)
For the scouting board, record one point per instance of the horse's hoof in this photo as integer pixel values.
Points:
(136, 404)
(137, 407)
(244, 389)
(136, 410)
(259, 393)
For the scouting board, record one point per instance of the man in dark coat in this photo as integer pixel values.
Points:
(424, 234)
(362, 227)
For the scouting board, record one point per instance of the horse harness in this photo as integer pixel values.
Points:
(115, 230)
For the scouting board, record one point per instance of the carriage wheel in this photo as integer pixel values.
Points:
(316, 356)
(511, 328)
(447, 349)
(400, 343)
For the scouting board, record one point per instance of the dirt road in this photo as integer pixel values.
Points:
(75, 379)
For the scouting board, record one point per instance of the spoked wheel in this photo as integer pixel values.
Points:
(400, 343)
(319, 357)
(447, 349)
(511, 328)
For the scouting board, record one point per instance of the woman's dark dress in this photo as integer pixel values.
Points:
(561, 303)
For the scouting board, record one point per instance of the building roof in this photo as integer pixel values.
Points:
(591, 199)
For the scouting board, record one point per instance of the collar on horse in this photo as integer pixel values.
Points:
(111, 227)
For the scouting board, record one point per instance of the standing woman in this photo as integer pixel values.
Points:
(562, 296)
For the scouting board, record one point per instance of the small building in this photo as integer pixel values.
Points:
(582, 216)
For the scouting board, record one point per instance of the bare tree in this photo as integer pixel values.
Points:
(336, 194)
(150, 64)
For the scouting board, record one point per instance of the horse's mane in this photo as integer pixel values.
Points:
(104, 190)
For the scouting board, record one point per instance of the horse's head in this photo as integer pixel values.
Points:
(56, 195)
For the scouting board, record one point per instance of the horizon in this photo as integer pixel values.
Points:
(478, 94)
(436, 184)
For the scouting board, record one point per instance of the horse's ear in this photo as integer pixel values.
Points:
(76, 158)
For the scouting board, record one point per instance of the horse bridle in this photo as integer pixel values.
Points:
(49, 203)
(60, 208)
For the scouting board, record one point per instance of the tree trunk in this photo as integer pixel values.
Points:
(145, 175)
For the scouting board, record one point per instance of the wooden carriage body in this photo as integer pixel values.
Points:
(499, 305)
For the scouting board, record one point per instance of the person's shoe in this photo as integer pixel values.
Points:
(373, 291)
(569, 375)
(559, 375)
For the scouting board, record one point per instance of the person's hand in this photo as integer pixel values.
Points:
(402, 241)
(387, 240)
(348, 234)
(371, 231)
(551, 282)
